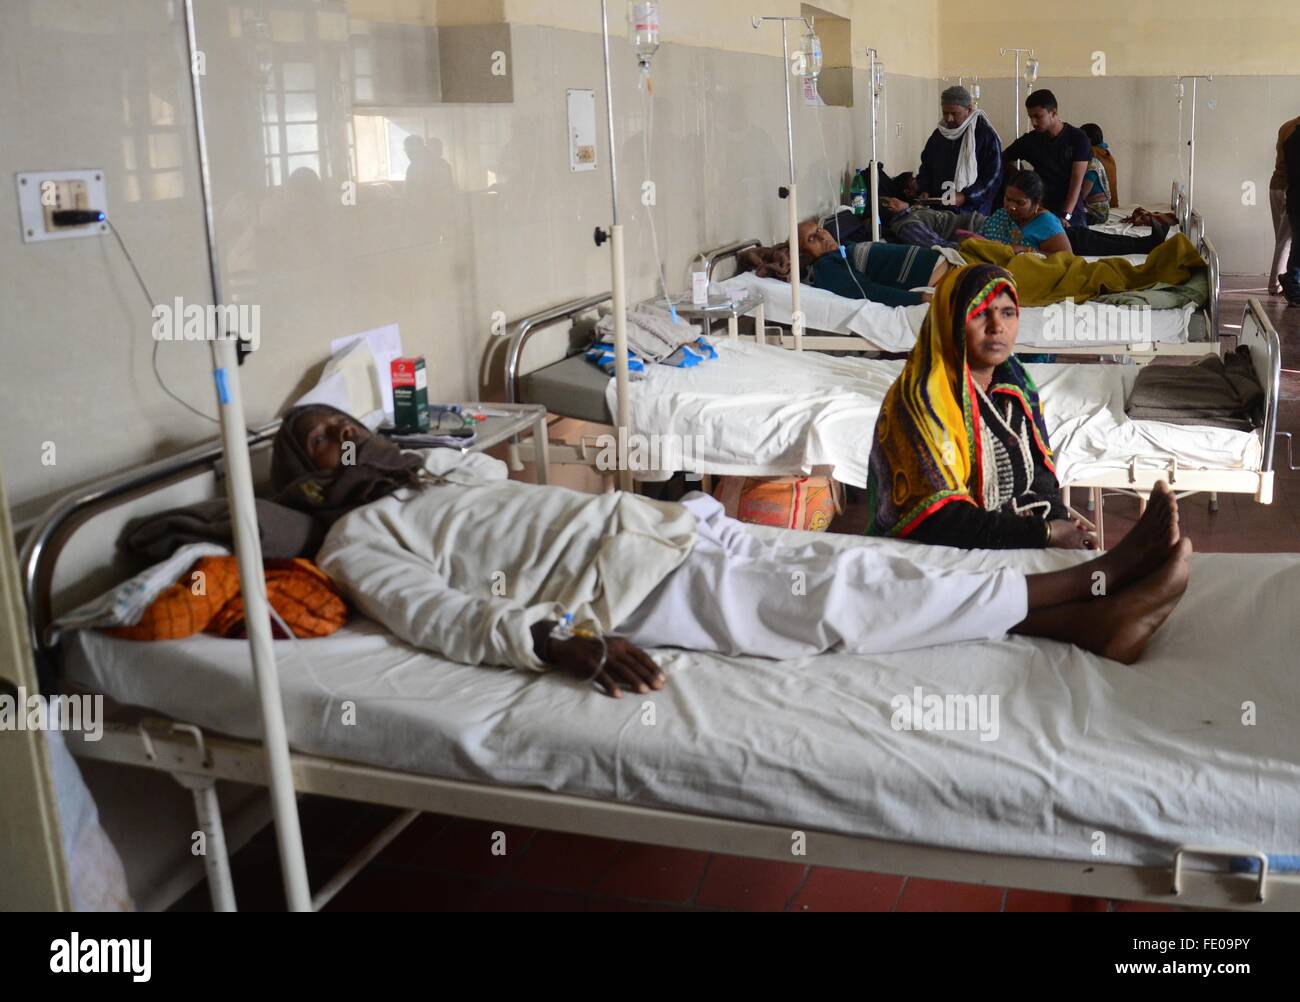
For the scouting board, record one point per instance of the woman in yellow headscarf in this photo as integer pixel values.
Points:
(961, 455)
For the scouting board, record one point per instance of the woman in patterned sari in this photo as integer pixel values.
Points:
(961, 455)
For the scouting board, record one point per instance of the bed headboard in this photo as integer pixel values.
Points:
(728, 252)
(1260, 336)
(535, 324)
(73, 554)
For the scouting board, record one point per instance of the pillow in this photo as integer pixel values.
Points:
(298, 590)
(128, 602)
(187, 606)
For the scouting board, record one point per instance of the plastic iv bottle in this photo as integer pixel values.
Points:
(699, 281)
(812, 55)
(858, 194)
(643, 29)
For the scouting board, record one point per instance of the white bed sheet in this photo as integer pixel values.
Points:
(1152, 756)
(760, 410)
(895, 329)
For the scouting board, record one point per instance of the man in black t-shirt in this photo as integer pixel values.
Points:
(1291, 277)
(1059, 153)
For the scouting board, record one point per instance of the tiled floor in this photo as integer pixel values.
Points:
(445, 864)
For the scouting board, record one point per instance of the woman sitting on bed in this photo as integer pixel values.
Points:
(1023, 221)
(1025, 224)
(961, 456)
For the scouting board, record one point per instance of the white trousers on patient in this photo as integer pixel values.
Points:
(737, 594)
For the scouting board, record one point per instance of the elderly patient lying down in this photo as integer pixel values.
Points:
(455, 558)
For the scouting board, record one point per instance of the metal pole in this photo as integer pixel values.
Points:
(875, 159)
(1016, 133)
(618, 276)
(796, 311)
(248, 545)
(789, 112)
(1191, 164)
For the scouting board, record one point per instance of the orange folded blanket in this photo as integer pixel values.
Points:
(207, 599)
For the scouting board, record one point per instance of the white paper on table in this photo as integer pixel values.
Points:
(386, 345)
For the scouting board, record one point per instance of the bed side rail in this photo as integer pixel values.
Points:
(44, 543)
(539, 321)
(1175, 195)
(1259, 334)
(715, 257)
(1215, 278)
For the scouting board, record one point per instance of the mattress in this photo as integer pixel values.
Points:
(1069, 745)
(760, 410)
(574, 388)
(895, 329)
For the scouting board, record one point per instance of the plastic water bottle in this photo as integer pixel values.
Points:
(699, 281)
(643, 29)
(858, 194)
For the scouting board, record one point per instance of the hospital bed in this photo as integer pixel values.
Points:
(1149, 789)
(762, 411)
(834, 323)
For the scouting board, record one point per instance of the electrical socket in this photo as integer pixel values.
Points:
(41, 193)
(56, 195)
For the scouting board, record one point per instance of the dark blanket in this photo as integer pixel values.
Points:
(285, 533)
(1221, 393)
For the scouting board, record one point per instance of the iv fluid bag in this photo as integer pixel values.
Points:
(643, 29)
(812, 55)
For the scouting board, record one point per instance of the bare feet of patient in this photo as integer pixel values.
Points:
(1129, 618)
(1147, 545)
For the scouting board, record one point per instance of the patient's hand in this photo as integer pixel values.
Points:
(894, 205)
(625, 664)
(1068, 534)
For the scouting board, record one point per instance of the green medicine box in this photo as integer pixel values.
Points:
(410, 395)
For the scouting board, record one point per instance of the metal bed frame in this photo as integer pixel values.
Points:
(1192, 224)
(197, 760)
(1137, 480)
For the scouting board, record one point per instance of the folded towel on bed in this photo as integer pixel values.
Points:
(686, 357)
(650, 333)
(652, 339)
(1220, 393)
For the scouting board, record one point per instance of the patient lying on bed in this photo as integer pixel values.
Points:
(961, 455)
(457, 559)
(881, 272)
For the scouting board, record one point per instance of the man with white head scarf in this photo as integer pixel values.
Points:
(962, 161)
